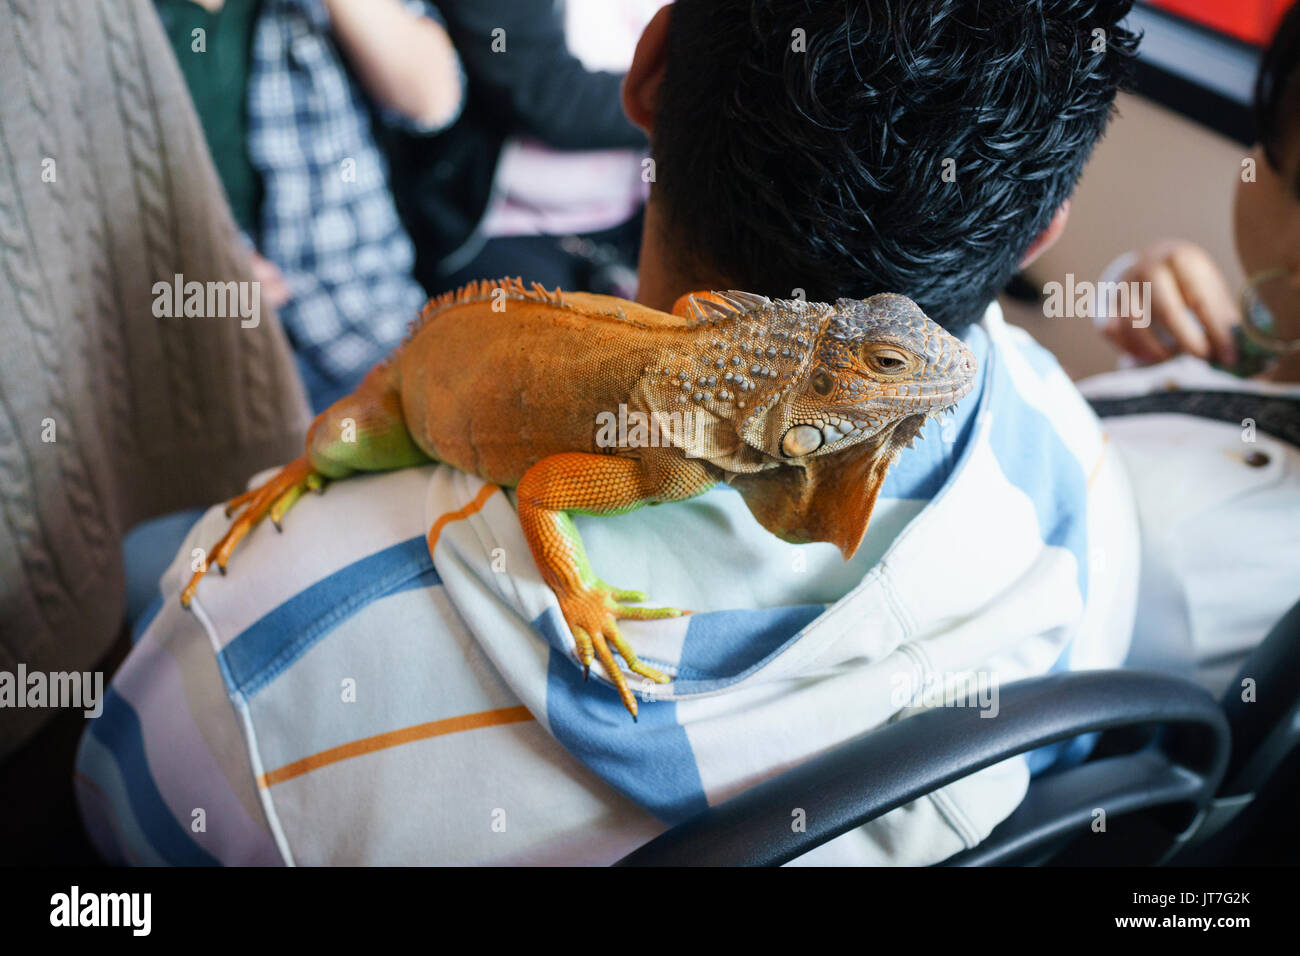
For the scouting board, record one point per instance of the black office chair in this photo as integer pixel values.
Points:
(1265, 761)
(1165, 771)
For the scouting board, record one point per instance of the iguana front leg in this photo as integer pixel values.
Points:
(563, 484)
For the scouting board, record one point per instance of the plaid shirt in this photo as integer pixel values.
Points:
(328, 218)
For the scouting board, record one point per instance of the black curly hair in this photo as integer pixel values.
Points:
(1277, 93)
(824, 168)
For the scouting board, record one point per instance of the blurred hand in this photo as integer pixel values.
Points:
(1189, 301)
(275, 290)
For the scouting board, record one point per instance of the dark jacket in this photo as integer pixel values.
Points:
(535, 88)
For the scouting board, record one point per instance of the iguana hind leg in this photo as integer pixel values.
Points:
(563, 484)
(290, 479)
(364, 431)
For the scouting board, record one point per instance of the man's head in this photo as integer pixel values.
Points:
(850, 147)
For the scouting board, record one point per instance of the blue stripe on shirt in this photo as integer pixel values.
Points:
(650, 760)
(1033, 457)
(722, 647)
(270, 645)
(118, 729)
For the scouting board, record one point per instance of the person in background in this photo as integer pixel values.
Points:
(542, 176)
(288, 92)
(1214, 452)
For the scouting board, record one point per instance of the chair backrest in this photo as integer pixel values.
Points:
(1260, 704)
(1178, 772)
(1262, 707)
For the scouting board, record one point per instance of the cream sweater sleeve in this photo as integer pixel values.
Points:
(110, 413)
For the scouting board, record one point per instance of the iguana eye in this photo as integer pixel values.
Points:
(887, 361)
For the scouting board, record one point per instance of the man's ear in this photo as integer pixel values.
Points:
(646, 74)
(1047, 238)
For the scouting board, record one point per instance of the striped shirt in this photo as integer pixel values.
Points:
(390, 681)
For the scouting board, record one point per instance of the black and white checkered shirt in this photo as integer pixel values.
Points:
(328, 218)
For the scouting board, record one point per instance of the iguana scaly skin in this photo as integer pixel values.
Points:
(801, 406)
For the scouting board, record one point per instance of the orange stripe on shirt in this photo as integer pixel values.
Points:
(459, 514)
(1105, 440)
(395, 738)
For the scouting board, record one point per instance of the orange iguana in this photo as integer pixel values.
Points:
(800, 406)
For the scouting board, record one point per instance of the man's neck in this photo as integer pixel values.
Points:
(662, 277)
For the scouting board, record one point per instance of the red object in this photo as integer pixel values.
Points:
(1250, 20)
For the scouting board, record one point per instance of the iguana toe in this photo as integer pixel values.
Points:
(275, 497)
(592, 613)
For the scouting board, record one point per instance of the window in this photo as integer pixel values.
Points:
(1200, 57)
(1251, 20)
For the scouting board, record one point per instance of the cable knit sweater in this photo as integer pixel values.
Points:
(109, 414)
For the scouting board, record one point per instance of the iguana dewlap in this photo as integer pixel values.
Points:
(593, 404)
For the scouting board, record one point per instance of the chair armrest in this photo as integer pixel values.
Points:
(895, 764)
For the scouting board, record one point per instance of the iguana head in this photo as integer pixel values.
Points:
(825, 397)
(873, 371)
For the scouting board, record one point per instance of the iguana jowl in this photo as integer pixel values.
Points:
(800, 406)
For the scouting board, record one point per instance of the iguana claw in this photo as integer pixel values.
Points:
(275, 497)
(592, 613)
